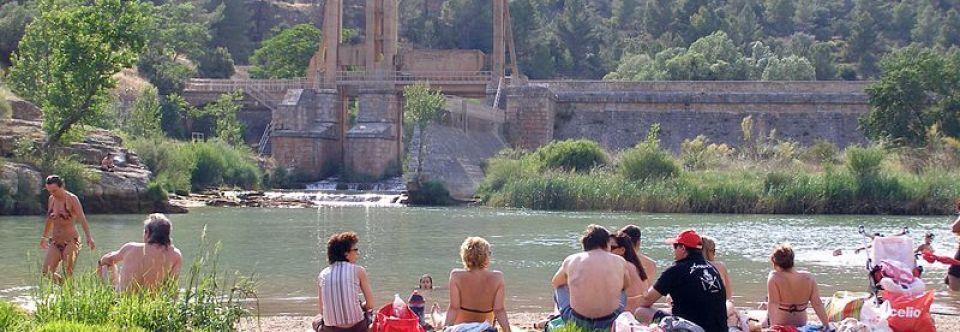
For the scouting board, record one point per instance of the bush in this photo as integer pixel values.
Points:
(699, 153)
(571, 155)
(171, 162)
(12, 318)
(821, 151)
(81, 327)
(219, 163)
(156, 193)
(864, 162)
(215, 64)
(431, 193)
(76, 176)
(647, 161)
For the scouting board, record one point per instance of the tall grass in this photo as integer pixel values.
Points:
(863, 180)
(208, 300)
(184, 166)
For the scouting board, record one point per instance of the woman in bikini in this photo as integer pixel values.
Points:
(476, 293)
(63, 243)
(791, 292)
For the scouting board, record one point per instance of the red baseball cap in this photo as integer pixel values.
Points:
(688, 238)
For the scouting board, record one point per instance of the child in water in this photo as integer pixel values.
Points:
(417, 301)
(927, 244)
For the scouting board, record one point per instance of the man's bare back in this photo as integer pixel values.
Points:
(595, 279)
(144, 266)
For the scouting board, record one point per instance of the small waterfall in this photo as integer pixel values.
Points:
(331, 192)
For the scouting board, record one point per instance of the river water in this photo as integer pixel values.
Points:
(284, 247)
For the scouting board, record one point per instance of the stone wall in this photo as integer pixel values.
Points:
(372, 158)
(619, 114)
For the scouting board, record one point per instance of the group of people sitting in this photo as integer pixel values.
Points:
(592, 288)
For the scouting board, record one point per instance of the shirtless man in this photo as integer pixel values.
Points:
(63, 244)
(953, 274)
(145, 265)
(649, 266)
(107, 164)
(589, 284)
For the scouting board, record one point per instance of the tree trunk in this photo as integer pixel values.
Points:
(67, 123)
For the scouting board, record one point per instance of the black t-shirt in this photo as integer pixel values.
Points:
(697, 291)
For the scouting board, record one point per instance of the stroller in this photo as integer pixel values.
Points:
(892, 264)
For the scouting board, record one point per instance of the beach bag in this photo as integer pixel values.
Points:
(910, 313)
(846, 305)
(875, 317)
(396, 317)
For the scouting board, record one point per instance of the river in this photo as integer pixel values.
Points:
(284, 248)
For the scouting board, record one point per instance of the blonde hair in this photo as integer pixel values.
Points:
(475, 253)
(709, 247)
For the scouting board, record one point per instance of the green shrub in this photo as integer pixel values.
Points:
(81, 327)
(571, 155)
(647, 161)
(155, 192)
(76, 176)
(821, 151)
(219, 163)
(699, 153)
(431, 193)
(864, 161)
(171, 162)
(12, 318)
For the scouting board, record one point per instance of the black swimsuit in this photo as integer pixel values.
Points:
(955, 269)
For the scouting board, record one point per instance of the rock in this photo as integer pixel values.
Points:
(24, 110)
(20, 189)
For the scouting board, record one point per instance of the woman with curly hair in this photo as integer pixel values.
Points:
(476, 293)
(340, 286)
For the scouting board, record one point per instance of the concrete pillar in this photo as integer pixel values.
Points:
(391, 34)
(332, 26)
(372, 149)
(499, 32)
(308, 136)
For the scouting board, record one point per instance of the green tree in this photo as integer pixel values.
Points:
(862, 46)
(227, 126)
(67, 58)
(744, 27)
(181, 31)
(144, 117)
(231, 29)
(950, 30)
(824, 60)
(657, 16)
(779, 15)
(918, 89)
(287, 54)
(791, 68)
(927, 28)
(904, 19)
(626, 14)
(421, 107)
(215, 64)
(13, 22)
(575, 29)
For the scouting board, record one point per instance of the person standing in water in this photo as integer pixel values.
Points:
(60, 238)
(953, 274)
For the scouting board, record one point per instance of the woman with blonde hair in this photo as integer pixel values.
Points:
(710, 253)
(476, 293)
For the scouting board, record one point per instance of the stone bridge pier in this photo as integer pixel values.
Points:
(374, 144)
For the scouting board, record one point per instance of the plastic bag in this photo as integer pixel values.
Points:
(910, 313)
(396, 317)
(875, 318)
(846, 305)
(626, 322)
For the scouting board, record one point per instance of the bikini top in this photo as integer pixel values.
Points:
(63, 213)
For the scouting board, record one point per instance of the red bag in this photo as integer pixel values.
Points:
(910, 313)
(387, 320)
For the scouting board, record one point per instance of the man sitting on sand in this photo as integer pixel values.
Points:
(148, 264)
(589, 284)
(694, 285)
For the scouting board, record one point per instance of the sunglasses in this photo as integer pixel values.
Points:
(356, 249)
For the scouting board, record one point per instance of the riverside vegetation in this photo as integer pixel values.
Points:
(766, 175)
(207, 301)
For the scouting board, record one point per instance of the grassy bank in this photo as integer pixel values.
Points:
(202, 300)
(184, 166)
(768, 176)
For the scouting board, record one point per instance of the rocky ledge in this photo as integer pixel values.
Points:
(121, 191)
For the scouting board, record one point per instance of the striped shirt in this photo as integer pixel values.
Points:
(340, 286)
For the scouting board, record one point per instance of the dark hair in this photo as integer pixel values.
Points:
(782, 256)
(625, 241)
(633, 231)
(595, 237)
(158, 228)
(339, 246)
(55, 179)
(929, 235)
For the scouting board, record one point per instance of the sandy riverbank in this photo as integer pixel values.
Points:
(522, 320)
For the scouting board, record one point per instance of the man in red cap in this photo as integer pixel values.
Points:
(694, 285)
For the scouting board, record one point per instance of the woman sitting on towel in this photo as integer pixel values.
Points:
(791, 292)
(476, 293)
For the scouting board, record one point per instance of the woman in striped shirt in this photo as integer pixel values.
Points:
(340, 285)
